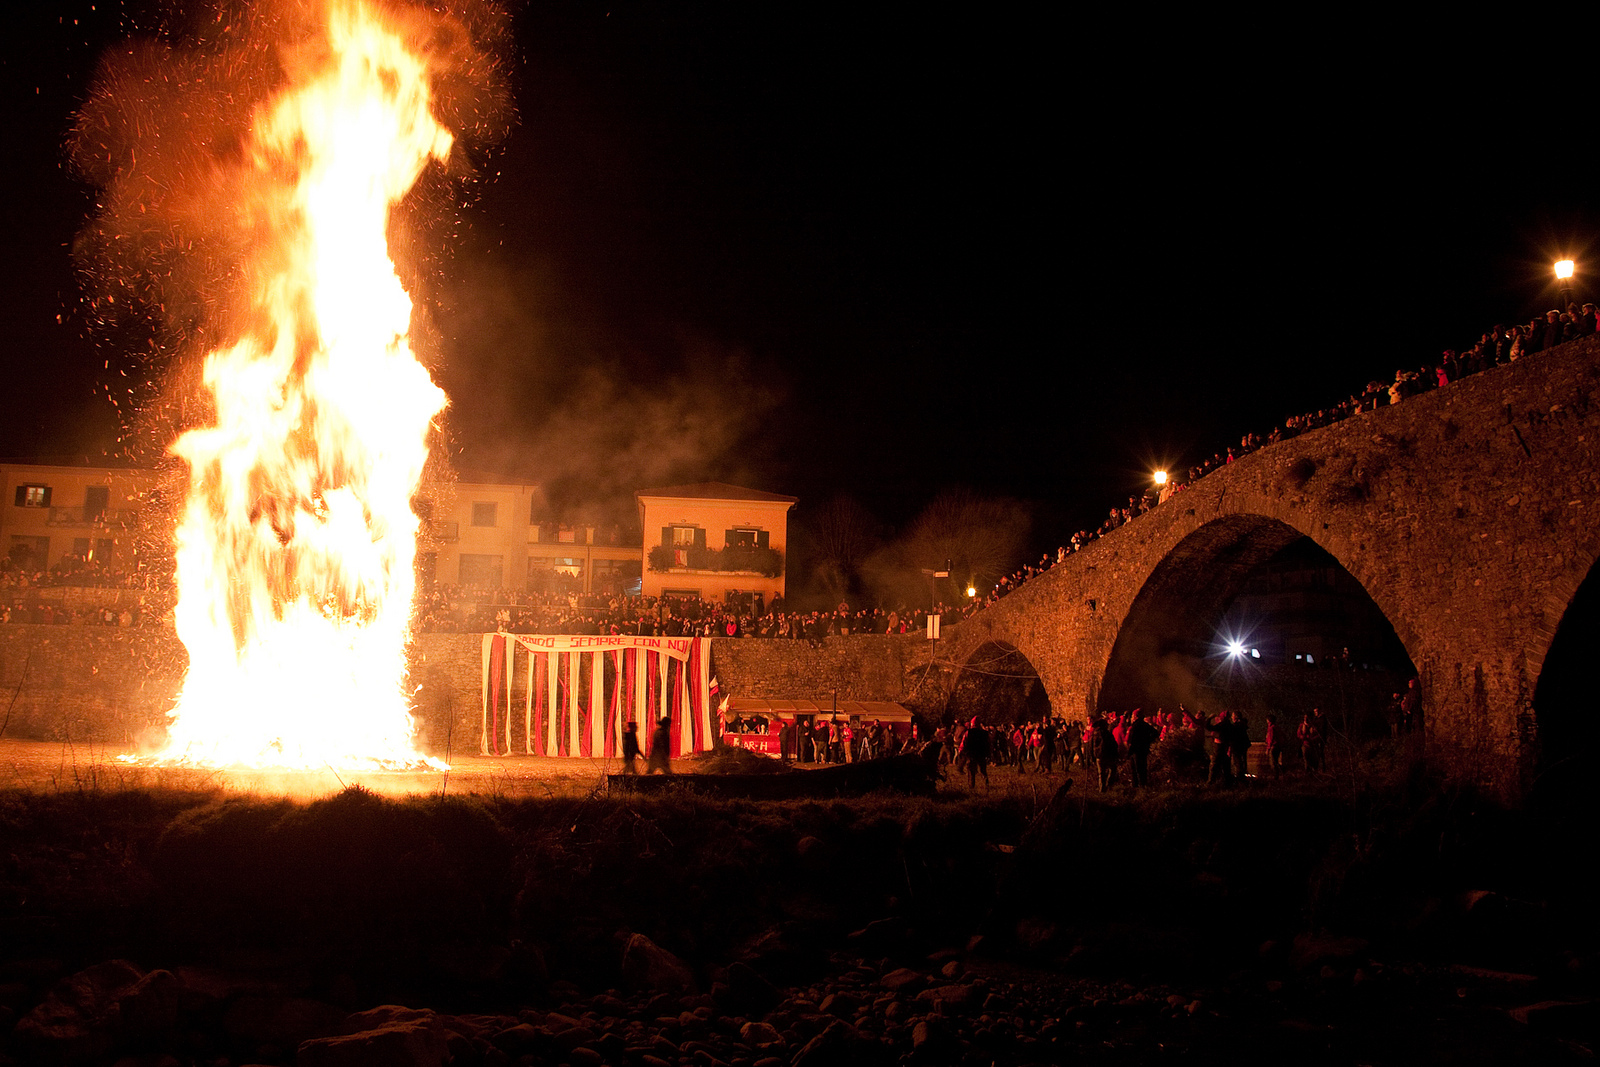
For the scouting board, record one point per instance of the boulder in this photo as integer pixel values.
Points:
(284, 1021)
(80, 1019)
(746, 992)
(1315, 951)
(949, 998)
(646, 965)
(931, 1039)
(522, 1040)
(843, 1005)
(839, 1045)
(882, 936)
(759, 1035)
(904, 980)
(402, 1044)
(388, 1015)
(148, 1010)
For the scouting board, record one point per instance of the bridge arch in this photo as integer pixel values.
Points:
(1246, 611)
(1466, 514)
(1566, 708)
(998, 684)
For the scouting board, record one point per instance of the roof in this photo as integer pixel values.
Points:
(716, 491)
(483, 477)
(867, 709)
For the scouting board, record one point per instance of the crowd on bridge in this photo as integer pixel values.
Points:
(462, 609)
(1495, 347)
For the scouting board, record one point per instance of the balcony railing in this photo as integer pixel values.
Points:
(83, 516)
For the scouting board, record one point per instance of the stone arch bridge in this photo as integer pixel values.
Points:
(1469, 514)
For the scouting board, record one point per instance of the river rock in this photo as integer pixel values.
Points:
(646, 965)
(80, 1019)
(416, 1043)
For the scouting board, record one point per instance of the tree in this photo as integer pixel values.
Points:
(843, 534)
(982, 539)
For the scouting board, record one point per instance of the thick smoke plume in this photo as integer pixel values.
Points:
(544, 392)
(175, 249)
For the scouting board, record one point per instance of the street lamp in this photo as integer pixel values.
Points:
(1162, 484)
(1564, 271)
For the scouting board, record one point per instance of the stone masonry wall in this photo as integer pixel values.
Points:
(114, 686)
(1469, 515)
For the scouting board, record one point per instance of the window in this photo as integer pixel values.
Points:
(33, 496)
(683, 536)
(745, 537)
(96, 499)
(29, 553)
(481, 570)
(485, 514)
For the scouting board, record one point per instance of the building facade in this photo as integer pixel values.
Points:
(715, 541)
(710, 539)
(491, 534)
(53, 515)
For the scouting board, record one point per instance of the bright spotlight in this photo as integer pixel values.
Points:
(1235, 648)
(1564, 269)
(1161, 477)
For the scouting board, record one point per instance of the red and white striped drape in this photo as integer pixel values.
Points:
(579, 691)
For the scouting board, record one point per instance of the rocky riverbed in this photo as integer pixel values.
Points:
(179, 929)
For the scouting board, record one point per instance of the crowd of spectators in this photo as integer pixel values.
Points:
(465, 609)
(462, 609)
(78, 572)
(21, 599)
(1116, 746)
(1495, 347)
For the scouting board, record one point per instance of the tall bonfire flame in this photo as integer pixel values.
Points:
(296, 546)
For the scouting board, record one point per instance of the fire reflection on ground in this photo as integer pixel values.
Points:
(55, 766)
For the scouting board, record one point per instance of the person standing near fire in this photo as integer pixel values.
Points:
(660, 743)
(630, 749)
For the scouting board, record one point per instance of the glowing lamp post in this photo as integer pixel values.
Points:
(1163, 485)
(1564, 272)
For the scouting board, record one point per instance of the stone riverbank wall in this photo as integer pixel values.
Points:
(113, 685)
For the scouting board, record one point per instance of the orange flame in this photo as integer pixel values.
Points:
(296, 546)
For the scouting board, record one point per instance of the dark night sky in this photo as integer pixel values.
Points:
(883, 252)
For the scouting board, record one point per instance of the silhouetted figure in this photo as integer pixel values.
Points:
(975, 749)
(630, 748)
(1277, 743)
(1221, 729)
(1103, 744)
(1239, 744)
(660, 743)
(1411, 707)
(1311, 742)
(1141, 735)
